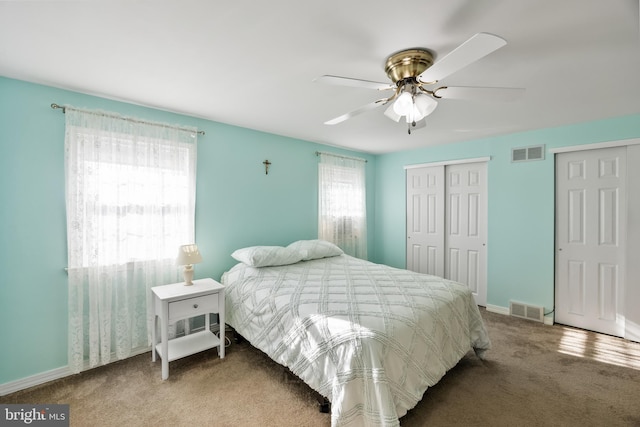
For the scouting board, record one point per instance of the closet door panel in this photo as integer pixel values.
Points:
(425, 220)
(466, 219)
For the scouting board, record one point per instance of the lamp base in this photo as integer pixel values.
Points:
(188, 275)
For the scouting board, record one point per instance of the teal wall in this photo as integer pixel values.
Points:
(236, 205)
(520, 247)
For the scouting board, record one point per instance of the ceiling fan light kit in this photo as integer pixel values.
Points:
(411, 70)
(412, 105)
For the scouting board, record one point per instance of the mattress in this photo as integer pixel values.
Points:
(369, 337)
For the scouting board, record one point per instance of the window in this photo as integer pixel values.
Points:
(134, 203)
(342, 203)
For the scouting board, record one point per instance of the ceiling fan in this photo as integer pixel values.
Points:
(412, 72)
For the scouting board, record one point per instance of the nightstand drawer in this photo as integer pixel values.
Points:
(192, 307)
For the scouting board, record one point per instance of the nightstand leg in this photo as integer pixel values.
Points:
(154, 331)
(221, 323)
(164, 326)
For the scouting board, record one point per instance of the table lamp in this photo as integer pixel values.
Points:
(187, 256)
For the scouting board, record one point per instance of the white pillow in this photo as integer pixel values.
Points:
(314, 249)
(266, 256)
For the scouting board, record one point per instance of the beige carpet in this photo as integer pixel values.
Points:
(535, 375)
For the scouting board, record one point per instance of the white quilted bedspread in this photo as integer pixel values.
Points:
(369, 337)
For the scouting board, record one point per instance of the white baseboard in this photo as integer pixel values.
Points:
(54, 374)
(548, 319)
(34, 380)
(498, 309)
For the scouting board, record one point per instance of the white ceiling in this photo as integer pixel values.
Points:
(252, 63)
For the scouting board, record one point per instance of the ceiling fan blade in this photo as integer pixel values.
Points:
(347, 81)
(356, 112)
(499, 94)
(478, 46)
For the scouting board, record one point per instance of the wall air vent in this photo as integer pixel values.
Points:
(525, 311)
(525, 154)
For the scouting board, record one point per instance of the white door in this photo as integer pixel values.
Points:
(446, 223)
(465, 240)
(425, 220)
(590, 239)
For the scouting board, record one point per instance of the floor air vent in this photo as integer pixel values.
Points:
(524, 311)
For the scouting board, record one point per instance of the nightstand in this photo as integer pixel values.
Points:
(176, 302)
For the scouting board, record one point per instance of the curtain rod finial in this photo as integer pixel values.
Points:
(56, 106)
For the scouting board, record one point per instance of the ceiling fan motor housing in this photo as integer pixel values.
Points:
(408, 63)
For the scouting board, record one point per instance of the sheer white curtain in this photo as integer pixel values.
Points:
(342, 203)
(130, 199)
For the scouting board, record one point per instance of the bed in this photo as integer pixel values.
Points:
(368, 337)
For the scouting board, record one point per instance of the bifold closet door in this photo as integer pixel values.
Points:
(446, 223)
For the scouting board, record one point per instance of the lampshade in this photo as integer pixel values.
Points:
(423, 106)
(188, 254)
(403, 104)
(390, 112)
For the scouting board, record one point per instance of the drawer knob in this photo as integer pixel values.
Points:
(195, 305)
